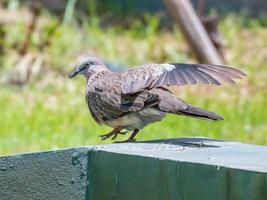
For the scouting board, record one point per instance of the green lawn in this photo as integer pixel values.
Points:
(49, 111)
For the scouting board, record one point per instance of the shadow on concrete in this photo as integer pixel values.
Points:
(188, 142)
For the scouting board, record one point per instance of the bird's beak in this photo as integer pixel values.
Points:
(74, 73)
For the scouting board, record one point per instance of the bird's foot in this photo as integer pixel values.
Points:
(121, 133)
(114, 133)
(131, 139)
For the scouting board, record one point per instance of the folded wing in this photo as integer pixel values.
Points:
(155, 75)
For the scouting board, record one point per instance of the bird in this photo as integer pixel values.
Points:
(129, 100)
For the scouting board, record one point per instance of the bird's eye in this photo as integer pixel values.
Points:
(90, 63)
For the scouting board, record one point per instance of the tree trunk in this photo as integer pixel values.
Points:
(183, 13)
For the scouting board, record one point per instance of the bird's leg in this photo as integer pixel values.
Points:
(113, 133)
(131, 138)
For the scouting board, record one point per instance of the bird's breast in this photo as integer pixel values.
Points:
(103, 102)
(137, 120)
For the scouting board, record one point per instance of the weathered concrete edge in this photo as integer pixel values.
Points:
(81, 148)
(219, 153)
(179, 161)
(109, 148)
(96, 149)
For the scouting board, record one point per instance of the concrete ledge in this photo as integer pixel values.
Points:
(186, 168)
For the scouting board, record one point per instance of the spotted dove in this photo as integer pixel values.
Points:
(131, 99)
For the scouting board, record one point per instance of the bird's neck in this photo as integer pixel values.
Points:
(96, 71)
(96, 75)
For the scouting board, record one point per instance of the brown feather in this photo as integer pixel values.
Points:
(155, 75)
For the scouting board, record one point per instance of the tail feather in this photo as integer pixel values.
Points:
(199, 113)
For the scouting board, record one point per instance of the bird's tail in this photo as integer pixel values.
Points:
(199, 113)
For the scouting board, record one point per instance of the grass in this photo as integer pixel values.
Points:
(49, 111)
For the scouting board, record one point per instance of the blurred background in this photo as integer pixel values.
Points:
(40, 42)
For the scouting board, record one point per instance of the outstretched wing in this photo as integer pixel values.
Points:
(155, 75)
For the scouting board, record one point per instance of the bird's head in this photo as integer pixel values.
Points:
(88, 66)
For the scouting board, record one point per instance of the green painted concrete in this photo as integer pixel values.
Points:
(48, 175)
(116, 176)
(186, 168)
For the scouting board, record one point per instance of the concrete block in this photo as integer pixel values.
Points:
(185, 168)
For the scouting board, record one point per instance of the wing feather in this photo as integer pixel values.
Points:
(189, 76)
(180, 77)
(218, 75)
(208, 77)
(198, 77)
(156, 75)
(226, 72)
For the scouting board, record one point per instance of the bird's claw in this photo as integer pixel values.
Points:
(108, 135)
(121, 133)
(104, 137)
